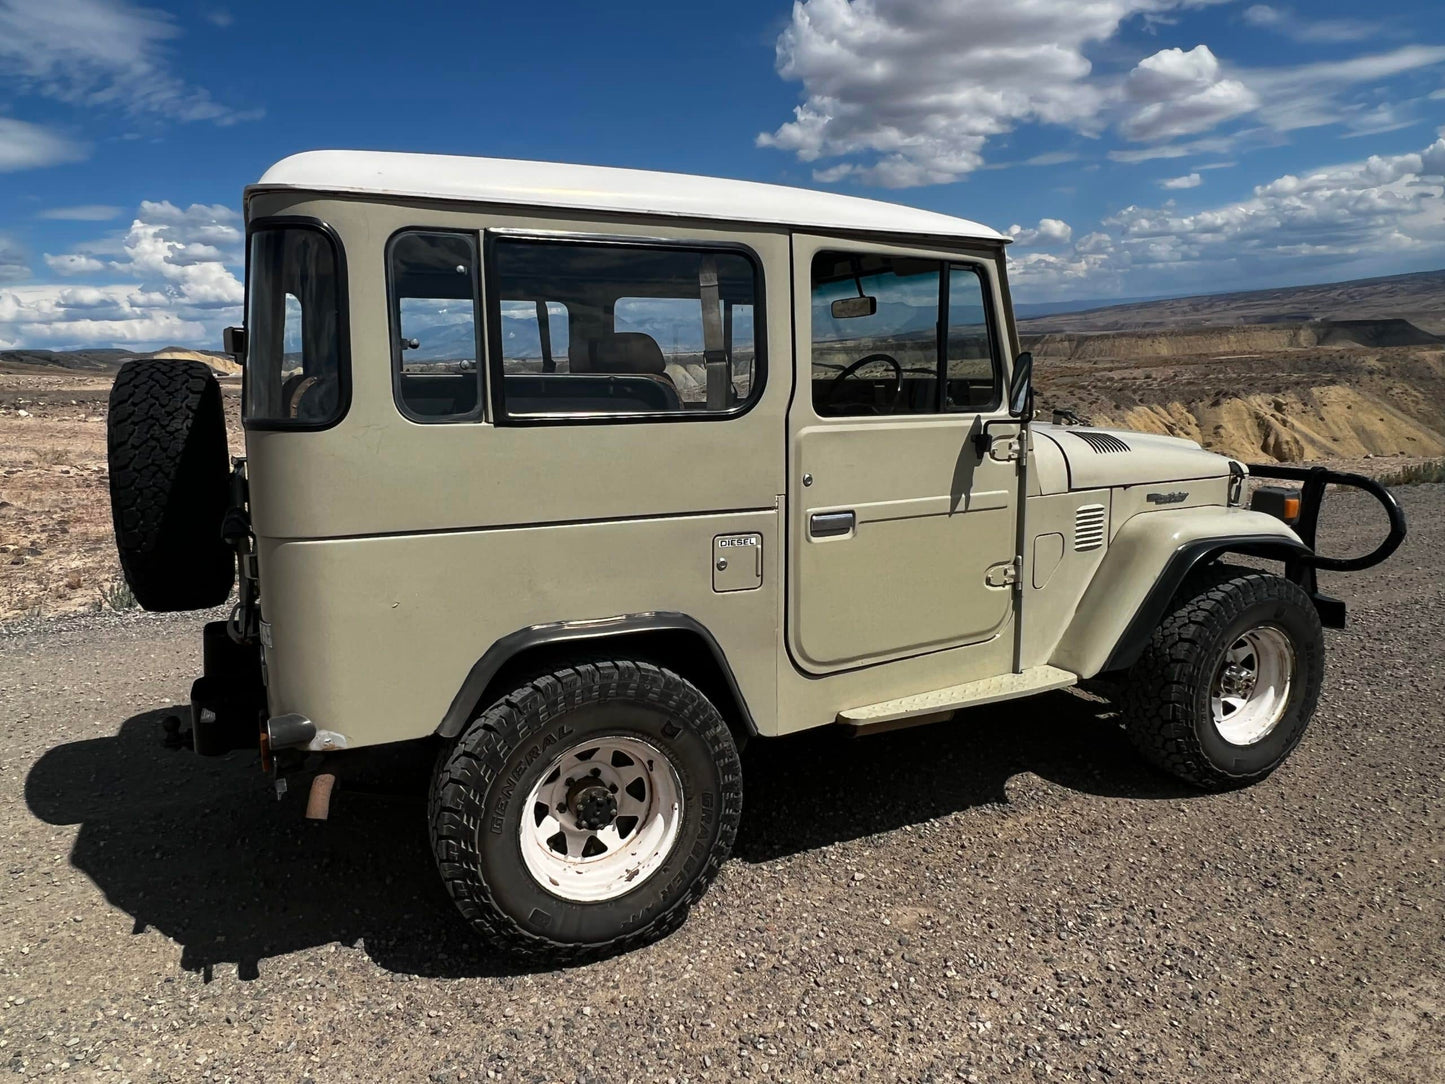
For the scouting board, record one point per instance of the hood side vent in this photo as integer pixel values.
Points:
(1089, 527)
(1102, 443)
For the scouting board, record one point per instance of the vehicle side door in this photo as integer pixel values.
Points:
(902, 518)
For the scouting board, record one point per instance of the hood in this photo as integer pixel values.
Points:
(1104, 458)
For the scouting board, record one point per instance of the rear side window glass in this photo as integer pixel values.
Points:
(435, 345)
(296, 364)
(649, 330)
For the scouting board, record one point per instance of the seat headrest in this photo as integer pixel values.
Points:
(627, 352)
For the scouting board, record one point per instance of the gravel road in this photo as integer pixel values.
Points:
(1010, 896)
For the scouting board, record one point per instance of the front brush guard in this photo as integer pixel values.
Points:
(1303, 569)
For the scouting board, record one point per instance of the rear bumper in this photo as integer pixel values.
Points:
(228, 700)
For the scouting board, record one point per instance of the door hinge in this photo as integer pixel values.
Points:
(1006, 449)
(1003, 575)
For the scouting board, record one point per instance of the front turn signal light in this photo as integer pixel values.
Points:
(1281, 502)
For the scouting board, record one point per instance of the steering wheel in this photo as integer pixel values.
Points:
(853, 368)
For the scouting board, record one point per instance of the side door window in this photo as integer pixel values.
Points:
(875, 334)
(900, 335)
(972, 376)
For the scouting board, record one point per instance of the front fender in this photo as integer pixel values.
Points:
(1146, 562)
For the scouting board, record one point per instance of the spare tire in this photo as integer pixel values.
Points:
(169, 484)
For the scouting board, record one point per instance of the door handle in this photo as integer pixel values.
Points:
(826, 524)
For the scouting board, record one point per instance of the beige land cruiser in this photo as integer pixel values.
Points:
(586, 477)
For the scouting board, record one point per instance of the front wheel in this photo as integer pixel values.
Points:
(1228, 683)
(584, 812)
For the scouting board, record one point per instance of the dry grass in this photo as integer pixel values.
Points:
(1414, 474)
(57, 553)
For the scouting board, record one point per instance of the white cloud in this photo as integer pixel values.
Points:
(73, 263)
(1358, 216)
(12, 261)
(1286, 22)
(1189, 180)
(1174, 93)
(179, 265)
(913, 89)
(1048, 233)
(90, 212)
(103, 53)
(1310, 95)
(909, 92)
(1212, 145)
(29, 146)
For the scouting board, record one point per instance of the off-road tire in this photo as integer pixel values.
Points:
(482, 782)
(169, 488)
(1166, 696)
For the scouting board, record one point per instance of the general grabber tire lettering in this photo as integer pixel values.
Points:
(622, 744)
(1229, 680)
(166, 445)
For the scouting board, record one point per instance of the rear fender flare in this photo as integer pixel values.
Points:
(1148, 559)
(670, 639)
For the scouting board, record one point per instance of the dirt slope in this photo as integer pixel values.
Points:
(1257, 392)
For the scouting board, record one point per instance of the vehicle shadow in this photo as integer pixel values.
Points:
(823, 787)
(198, 849)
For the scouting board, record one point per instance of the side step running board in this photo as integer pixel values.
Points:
(943, 701)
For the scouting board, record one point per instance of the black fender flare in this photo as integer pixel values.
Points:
(1186, 559)
(589, 636)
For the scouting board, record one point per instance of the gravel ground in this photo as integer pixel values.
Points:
(1012, 896)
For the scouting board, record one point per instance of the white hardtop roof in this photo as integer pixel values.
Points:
(604, 188)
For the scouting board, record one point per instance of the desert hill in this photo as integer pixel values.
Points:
(1346, 370)
(101, 361)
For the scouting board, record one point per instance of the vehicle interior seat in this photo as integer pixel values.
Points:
(635, 354)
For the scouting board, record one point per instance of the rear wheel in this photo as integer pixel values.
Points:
(585, 812)
(1229, 681)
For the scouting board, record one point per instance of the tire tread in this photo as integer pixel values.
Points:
(482, 749)
(1158, 696)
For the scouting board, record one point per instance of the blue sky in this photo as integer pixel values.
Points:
(1135, 147)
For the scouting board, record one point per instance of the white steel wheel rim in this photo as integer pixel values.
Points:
(575, 858)
(1252, 684)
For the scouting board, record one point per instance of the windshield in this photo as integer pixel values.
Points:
(295, 375)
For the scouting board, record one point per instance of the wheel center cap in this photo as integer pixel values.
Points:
(1236, 681)
(592, 805)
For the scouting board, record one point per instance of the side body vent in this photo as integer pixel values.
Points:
(1102, 443)
(1089, 527)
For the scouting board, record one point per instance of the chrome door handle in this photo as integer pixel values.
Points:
(825, 524)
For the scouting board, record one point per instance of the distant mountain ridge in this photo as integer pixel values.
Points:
(1418, 298)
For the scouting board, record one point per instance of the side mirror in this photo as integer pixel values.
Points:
(851, 308)
(233, 340)
(1020, 386)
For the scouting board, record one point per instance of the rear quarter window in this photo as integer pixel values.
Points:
(297, 369)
